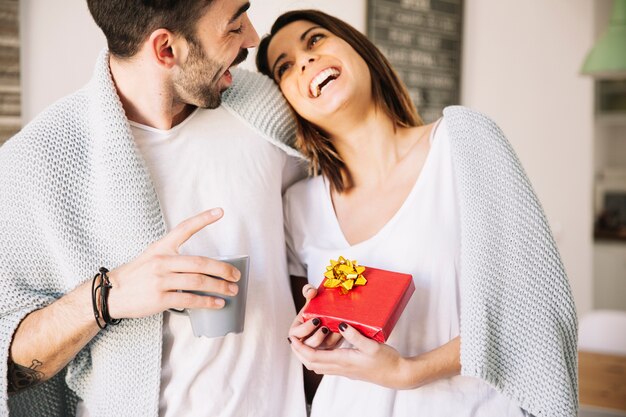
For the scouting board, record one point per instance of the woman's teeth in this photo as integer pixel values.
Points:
(321, 80)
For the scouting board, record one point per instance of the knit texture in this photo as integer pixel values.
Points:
(518, 320)
(76, 195)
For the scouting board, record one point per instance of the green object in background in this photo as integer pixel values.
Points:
(607, 59)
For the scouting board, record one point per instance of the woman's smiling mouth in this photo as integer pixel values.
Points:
(322, 80)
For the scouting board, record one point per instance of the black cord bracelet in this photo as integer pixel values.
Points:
(101, 291)
(94, 300)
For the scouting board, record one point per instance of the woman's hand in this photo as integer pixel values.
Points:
(379, 363)
(310, 333)
(367, 360)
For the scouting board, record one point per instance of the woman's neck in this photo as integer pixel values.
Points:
(370, 146)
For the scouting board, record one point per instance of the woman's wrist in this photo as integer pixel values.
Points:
(412, 372)
(443, 362)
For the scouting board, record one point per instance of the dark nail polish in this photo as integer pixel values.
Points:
(316, 321)
(289, 340)
(343, 326)
(325, 330)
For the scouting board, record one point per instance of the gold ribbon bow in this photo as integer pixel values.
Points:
(344, 274)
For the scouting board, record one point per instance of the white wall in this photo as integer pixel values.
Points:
(59, 46)
(520, 66)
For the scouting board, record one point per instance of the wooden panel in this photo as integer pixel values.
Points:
(602, 380)
(10, 94)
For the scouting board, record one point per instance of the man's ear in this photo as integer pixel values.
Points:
(166, 48)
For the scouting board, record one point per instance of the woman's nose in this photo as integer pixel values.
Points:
(306, 61)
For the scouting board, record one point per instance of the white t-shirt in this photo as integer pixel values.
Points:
(213, 159)
(421, 239)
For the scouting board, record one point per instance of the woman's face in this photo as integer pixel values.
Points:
(318, 72)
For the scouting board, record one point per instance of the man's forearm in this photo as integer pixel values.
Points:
(47, 339)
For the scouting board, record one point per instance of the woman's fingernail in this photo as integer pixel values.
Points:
(325, 330)
(216, 211)
(289, 340)
(316, 321)
(343, 326)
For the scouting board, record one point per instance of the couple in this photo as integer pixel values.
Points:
(107, 177)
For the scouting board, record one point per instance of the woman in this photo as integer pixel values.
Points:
(491, 328)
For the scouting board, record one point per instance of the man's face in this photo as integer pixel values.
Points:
(223, 35)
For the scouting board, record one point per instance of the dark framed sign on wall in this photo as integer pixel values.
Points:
(422, 40)
(10, 92)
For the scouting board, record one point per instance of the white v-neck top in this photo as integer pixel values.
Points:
(422, 239)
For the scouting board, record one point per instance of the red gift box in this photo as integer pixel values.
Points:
(373, 308)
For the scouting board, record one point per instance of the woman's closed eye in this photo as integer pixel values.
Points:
(282, 68)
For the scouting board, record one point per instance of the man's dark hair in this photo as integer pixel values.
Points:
(127, 23)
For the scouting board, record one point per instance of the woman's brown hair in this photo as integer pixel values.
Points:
(389, 94)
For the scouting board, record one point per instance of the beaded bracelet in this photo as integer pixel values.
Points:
(103, 318)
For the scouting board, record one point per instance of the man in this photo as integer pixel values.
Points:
(106, 178)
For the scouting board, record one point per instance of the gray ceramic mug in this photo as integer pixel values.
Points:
(228, 319)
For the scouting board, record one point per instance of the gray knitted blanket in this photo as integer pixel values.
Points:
(75, 195)
(518, 320)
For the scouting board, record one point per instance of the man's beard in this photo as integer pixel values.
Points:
(197, 81)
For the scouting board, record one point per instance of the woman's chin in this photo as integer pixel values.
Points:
(323, 119)
(326, 107)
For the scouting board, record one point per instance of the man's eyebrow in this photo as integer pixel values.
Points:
(302, 37)
(239, 12)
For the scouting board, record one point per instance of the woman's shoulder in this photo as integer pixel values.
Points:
(463, 112)
(462, 121)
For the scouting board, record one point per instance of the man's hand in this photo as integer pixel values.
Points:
(150, 284)
(47, 339)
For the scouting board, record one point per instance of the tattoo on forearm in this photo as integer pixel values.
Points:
(21, 377)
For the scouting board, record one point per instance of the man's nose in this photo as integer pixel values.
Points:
(251, 36)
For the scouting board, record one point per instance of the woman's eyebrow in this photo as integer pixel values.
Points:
(280, 58)
(306, 32)
(302, 37)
